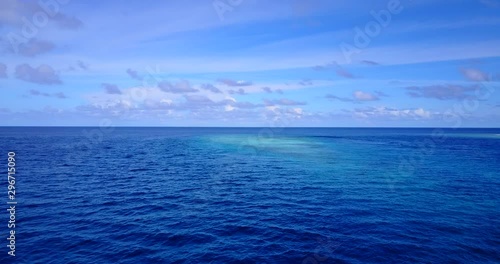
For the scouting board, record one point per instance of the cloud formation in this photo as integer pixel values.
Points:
(211, 88)
(15, 14)
(133, 74)
(240, 91)
(43, 74)
(59, 95)
(392, 113)
(442, 92)
(474, 75)
(369, 62)
(358, 97)
(364, 96)
(339, 70)
(179, 87)
(269, 90)
(284, 101)
(111, 88)
(234, 83)
(35, 47)
(306, 82)
(68, 22)
(84, 66)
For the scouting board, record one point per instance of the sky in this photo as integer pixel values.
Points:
(256, 63)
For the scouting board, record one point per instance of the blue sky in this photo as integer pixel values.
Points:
(250, 63)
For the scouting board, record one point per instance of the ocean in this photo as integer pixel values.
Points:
(252, 195)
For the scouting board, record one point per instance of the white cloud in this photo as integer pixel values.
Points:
(365, 96)
(392, 113)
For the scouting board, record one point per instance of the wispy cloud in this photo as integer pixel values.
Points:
(234, 83)
(358, 97)
(474, 75)
(211, 88)
(442, 92)
(284, 101)
(270, 90)
(133, 74)
(59, 95)
(13, 12)
(240, 91)
(84, 66)
(391, 113)
(68, 22)
(306, 82)
(178, 87)
(369, 62)
(339, 70)
(43, 74)
(365, 96)
(35, 47)
(111, 88)
(342, 99)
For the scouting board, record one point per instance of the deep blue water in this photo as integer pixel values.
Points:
(200, 195)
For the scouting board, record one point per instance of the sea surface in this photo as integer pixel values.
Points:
(253, 195)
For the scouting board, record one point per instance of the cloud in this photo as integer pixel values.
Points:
(133, 74)
(35, 47)
(442, 92)
(239, 91)
(364, 96)
(285, 102)
(43, 74)
(392, 113)
(210, 87)
(342, 99)
(358, 97)
(59, 95)
(344, 73)
(474, 75)
(196, 101)
(111, 88)
(368, 62)
(83, 65)
(234, 83)
(339, 70)
(200, 102)
(13, 12)
(80, 65)
(306, 82)
(245, 105)
(68, 22)
(179, 87)
(3, 71)
(269, 90)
